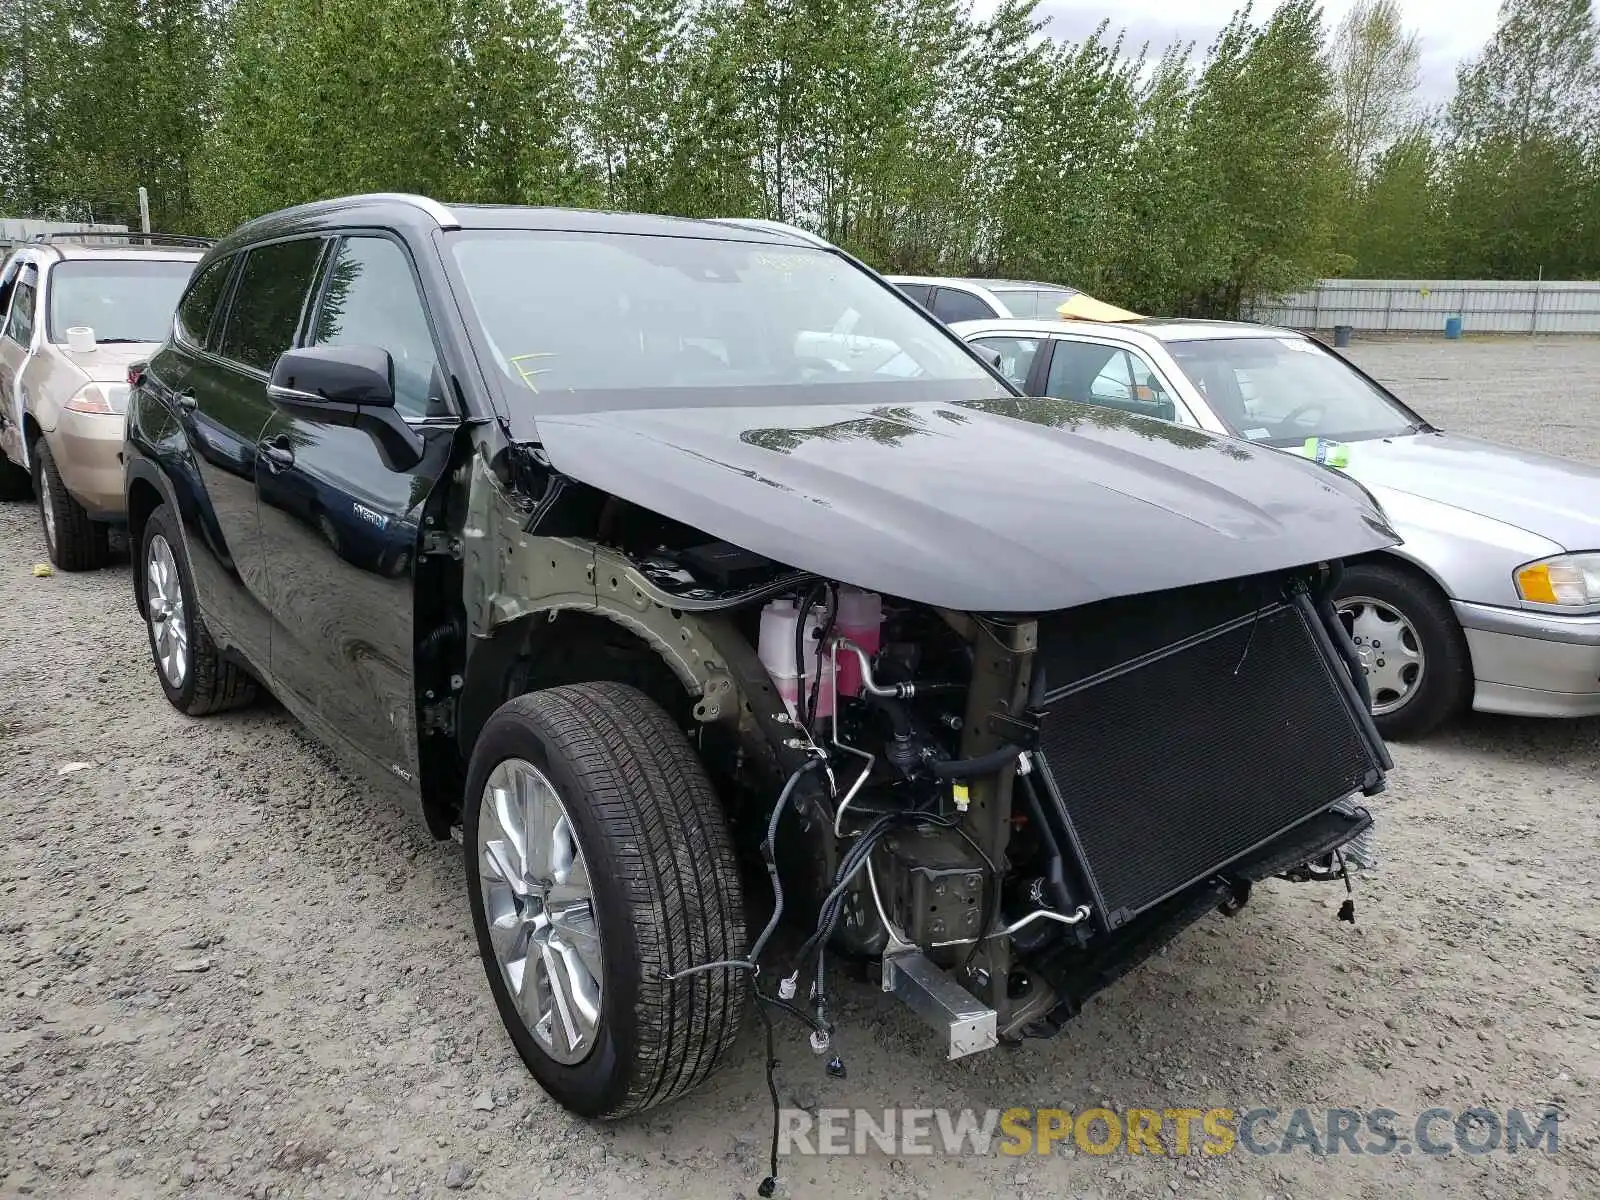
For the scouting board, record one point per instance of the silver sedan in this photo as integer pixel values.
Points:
(1493, 601)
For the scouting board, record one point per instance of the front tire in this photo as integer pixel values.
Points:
(75, 541)
(197, 679)
(598, 861)
(1415, 656)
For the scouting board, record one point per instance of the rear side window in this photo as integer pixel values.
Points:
(273, 283)
(951, 305)
(199, 304)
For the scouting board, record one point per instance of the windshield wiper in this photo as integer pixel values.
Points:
(100, 341)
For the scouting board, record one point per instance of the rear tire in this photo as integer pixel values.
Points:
(74, 540)
(1396, 610)
(197, 679)
(653, 888)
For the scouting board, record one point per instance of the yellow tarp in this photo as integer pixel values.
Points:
(1086, 308)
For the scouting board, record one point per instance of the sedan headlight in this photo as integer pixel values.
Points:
(101, 398)
(1565, 579)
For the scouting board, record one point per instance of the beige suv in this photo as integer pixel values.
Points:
(75, 313)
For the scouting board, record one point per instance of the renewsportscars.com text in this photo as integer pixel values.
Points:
(1176, 1132)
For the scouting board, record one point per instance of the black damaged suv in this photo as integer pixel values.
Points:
(636, 548)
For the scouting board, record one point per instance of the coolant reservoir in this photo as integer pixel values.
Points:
(776, 649)
(860, 620)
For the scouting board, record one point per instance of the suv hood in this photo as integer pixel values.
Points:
(1010, 505)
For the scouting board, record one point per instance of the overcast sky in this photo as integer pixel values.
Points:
(1451, 29)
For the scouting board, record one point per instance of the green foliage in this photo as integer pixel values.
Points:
(1399, 218)
(915, 133)
(1524, 135)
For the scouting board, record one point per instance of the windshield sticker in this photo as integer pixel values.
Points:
(1303, 345)
(528, 373)
(1326, 451)
(1255, 435)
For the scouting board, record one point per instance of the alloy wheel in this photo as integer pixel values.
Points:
(1389, 649)
(539, 908)
(163, 593)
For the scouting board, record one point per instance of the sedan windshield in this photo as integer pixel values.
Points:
(1282, 391)
(584, 321)
(122, 300)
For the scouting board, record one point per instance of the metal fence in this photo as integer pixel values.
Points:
(1425, 305)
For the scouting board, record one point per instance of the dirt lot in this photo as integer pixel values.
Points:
(224, 971)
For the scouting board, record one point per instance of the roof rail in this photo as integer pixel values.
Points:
(765, 225)
(441, 214)
(90, 236)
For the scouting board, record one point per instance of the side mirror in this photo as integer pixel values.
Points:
(989, 355)
(331, 378)
(351, 386)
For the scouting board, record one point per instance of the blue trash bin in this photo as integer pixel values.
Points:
(1452, 327)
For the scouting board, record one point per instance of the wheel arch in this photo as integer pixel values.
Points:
(145, 494)
(560, 646)
(1419, 571)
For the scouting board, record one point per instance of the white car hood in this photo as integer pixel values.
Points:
(1555, 498)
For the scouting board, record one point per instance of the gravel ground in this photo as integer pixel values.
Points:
(224, 970)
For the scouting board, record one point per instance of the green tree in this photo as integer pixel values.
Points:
(1064, 159)
(1375, 62)
(99, 98)
(1398, 220)
(1262, 130)
(1521, 136)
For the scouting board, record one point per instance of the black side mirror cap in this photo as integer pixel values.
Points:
(341, 376)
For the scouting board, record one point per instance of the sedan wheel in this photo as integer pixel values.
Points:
(1413, 654)
(1390, 651)
(540, 910)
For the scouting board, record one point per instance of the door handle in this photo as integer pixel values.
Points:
(278, 453)
(186, 399)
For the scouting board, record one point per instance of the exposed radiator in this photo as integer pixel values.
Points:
(1185, 729)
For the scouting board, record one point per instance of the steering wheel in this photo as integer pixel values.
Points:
(1312, 407)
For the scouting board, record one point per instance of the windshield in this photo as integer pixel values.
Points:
(585, 321)
(1282, 391)
(122, 300)
(1034, 302)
